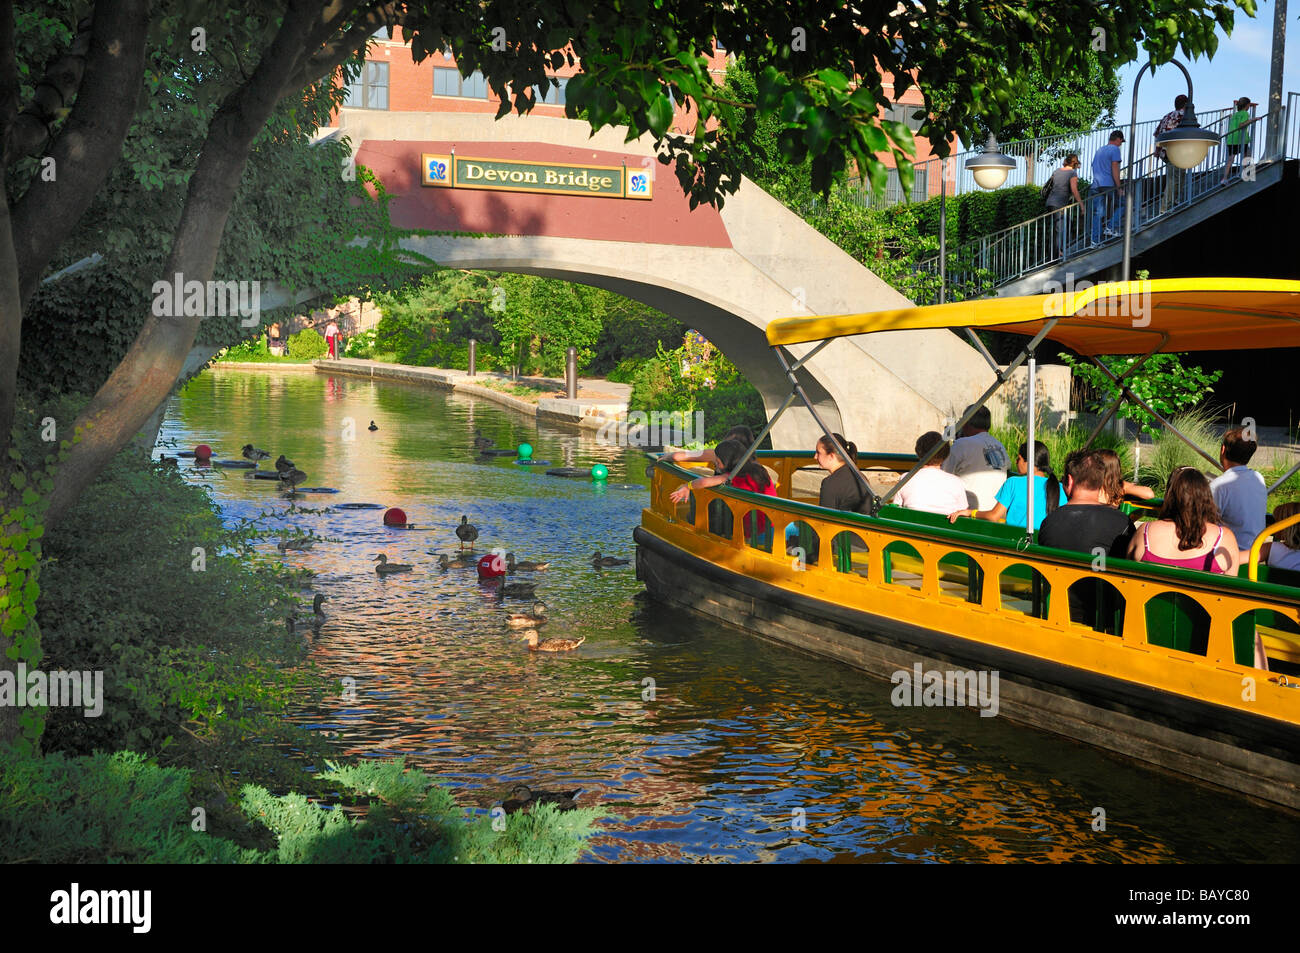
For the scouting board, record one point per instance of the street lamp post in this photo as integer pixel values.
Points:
(990, 169)
(1186, 147)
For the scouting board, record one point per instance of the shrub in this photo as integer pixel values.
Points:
(1061, 443)
(1167, 453)
(307, 345)
(254, 350)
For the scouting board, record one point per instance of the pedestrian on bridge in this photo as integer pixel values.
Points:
(1175, 178)
(1064, 184)
(1238, 138)
(1106, 191)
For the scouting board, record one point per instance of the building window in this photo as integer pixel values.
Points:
(381, 34)
(449, 82)
(552, 94)
(902, 112)
(370, 91)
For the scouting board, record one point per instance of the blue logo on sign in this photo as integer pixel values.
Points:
(437, 170)
(639, 183)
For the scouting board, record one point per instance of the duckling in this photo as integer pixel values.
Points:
(521, 620)
(385, 567)
(598, 560)
(550, 645)
(525, 566)
(445, 563)
(300, 543)
(252, 453)
(466, 532)
(522, 798)
(517, 590)
(372, 428)
(481, 442)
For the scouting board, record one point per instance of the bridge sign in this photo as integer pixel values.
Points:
(554, 178)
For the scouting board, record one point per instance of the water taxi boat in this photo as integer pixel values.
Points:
(1166, 672)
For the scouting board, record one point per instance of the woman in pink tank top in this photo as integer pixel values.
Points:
(1188, 524)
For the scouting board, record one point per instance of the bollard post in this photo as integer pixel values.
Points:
(571, 373)
(473, 357)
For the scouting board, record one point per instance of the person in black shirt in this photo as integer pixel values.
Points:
(841, 490)
(1087, 525)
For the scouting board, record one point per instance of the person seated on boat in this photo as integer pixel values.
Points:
(1114, 488)
(841, 489)
(1283, 550)
(1189, 533)
(709, 455)
(1240, 492)
(979, 459)
(931, 489)
(1011, 504)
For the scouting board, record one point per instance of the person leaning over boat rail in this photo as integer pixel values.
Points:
(752, 477)
(1189, 533)
(1240, 493)
(979, 459)
(1012, 501)
(708, 455)
(931, 490)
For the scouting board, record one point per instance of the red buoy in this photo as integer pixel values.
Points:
(203, 452)
(491, 566)
(394, 517)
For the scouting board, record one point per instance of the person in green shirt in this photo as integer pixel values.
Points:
(1238, 138)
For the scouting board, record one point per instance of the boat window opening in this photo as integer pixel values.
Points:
(721, 522)
(1024, 589)
(961, 577)
(1096, 604)
(1177, 621)
(850, 552)
(802, 542)
(759, 530)
(1279, 633)
(903, 565)
(689, 515)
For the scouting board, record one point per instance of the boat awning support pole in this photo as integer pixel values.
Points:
(1125, 392)
(1030, 470)
(1002, 378)
(1118, 402)
(979, 346)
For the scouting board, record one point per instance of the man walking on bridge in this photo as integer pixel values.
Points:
(1173, 175)
(1106, 190)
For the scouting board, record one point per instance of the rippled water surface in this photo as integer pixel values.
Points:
(748, 751)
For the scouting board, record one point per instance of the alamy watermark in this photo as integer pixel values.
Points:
(656, 429)
(952, 689)
(1135, 306)
(37, 689)
(208, 299)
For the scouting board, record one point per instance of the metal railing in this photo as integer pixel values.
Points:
(1157, 189)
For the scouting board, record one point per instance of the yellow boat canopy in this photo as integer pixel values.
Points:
(1197, 314)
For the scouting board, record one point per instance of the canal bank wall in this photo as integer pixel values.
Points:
(598, 403)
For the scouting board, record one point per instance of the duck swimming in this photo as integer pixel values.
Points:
(517, 590)
(385, 567)
(512, 565)
(551, 645)
(300, 544)
(316, 617)
(372, 428)
(521, 620)
(252, 453)
(598, 560)
(466, 532)
(445, 563)
(522, 798)
(482, 442)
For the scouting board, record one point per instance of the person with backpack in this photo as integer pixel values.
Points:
(1057, 192)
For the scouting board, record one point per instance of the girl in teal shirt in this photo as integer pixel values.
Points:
(1013, 499)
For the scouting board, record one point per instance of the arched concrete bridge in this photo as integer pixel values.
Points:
(725, 273)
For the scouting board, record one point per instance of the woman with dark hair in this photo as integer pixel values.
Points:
(710, 455)
(1013, 499)
(1188, 533)
(753, 476)
(1114, 487)
(841, 490)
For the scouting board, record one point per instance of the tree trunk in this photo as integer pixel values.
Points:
(195, 361)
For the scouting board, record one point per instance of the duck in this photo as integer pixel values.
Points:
(291, 478)
(252, 453)
(550, 645)
(521, 620)
(385, 567)
(522, 797)
(482, 442)
(466, 532)
(316, 617)
(513, 565)
(372, 428)
(300, 544)
(598, 560)
(283, 464)
(517, 590)
(444, 562)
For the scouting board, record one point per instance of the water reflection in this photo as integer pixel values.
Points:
(748, 751)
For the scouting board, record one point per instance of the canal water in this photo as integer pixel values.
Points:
(743, 751)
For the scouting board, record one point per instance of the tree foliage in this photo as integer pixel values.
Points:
(1164, 381)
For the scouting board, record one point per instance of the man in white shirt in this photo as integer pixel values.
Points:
(1240, 493)
(930, 489)
(980, 460)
